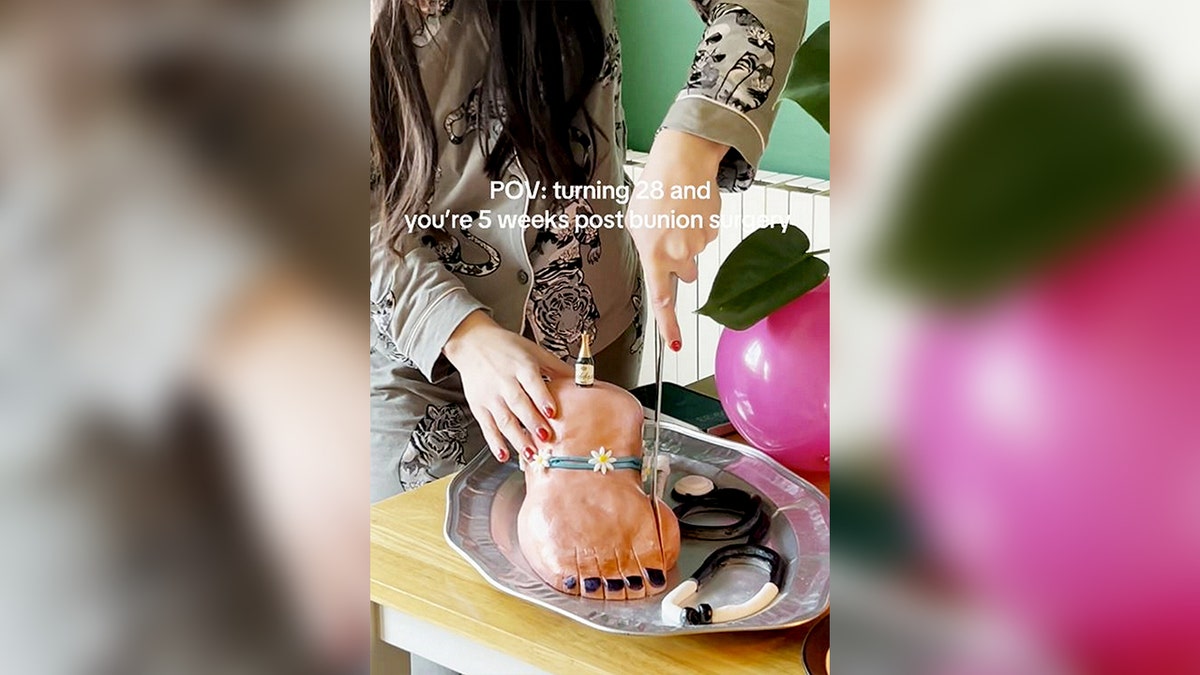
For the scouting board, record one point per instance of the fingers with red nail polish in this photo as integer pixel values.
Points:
(543, 433)
(503, 378)
(676, 345)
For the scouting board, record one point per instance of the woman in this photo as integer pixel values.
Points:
(468, 318)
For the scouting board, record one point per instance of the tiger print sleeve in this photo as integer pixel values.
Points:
(416, 303)
(737, 75)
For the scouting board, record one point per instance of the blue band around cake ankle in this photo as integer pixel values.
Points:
(585, 464)
(600, 461)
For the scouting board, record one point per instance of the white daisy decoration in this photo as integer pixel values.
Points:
(602, 460)
(542, 459)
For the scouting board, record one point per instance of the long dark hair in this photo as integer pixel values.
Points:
(545, 56)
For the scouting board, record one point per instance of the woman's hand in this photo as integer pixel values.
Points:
(502, 381)
(677, 159)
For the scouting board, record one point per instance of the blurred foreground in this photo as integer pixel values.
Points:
(1016, 338)
(183, 448)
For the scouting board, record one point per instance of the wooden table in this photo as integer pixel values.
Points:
(429, 601)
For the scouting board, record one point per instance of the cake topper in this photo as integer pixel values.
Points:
(585, 366)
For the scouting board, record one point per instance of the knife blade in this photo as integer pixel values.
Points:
(658, 389)
(652, 489)
(654, 468)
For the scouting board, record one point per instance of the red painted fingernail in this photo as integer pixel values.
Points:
(528, 454)
(676, 345)
(549, 411)
(543, 434)
(503, 456)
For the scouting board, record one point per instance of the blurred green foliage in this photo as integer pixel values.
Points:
(1042, 157)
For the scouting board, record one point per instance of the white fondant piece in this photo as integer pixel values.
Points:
(758, 603)
(694, 486)
(672, 603)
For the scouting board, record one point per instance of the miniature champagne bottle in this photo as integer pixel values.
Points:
(585, 366)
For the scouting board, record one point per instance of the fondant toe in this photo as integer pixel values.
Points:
(631, 571)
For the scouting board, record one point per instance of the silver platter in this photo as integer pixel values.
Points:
(481, 524)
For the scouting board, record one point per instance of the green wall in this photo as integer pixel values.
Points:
(658, 39)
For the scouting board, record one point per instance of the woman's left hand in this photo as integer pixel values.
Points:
(677, 159)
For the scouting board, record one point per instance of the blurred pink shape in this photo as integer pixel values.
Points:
(1052, 448)
(773, 380)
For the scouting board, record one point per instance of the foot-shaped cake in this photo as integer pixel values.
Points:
(586, 525)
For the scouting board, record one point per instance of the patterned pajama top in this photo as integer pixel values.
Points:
(548, 284)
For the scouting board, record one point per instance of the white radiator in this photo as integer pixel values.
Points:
(796, 200)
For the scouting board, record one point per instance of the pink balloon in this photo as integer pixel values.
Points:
(773, 381)
(1051, 447)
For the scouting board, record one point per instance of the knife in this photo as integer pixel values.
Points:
(654, 468)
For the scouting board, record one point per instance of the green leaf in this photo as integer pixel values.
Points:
(808, 81)
(769, 269)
